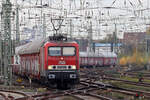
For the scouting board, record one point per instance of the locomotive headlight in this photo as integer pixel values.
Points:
(50, 67)
(73, 67)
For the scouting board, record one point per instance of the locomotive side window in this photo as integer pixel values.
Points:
(68, 51)
(54, 51)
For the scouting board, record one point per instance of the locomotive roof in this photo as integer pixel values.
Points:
(32, 47)
(100, 54)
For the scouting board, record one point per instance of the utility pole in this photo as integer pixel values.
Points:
(90, 36)
(147, 40)
(44, 26)
(1, 53)
(41, 11)
(147, 3)
(70, 7)
(115, 39)
(6, 21)
(1, 67)
(17, 26)
(70, 28)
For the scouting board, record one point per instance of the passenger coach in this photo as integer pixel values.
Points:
(101, 59)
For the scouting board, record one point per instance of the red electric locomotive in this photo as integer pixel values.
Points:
(54, 60)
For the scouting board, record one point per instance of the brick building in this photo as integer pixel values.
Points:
(134, 38)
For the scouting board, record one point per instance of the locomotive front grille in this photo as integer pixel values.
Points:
(61, 67)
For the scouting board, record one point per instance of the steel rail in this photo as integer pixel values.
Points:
(121, 90)
(129, 82)
(20, 93)
(4, 96)
(10, 91)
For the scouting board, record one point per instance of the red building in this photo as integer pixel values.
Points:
(134, 38)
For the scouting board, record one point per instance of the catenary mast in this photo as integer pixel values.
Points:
(7, 47)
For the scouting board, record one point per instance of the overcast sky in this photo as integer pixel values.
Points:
(126, 11)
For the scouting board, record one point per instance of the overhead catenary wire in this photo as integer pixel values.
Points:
(86, 7)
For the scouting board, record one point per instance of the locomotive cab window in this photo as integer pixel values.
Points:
(54, 51)
(68, 51)
(61, 51)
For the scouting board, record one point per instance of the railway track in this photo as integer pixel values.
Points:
(120, 90)
(137, 73)
(82, 92)
(132, 92)
(77, 93)
(11, 95)
(128, 82)
(98, 75)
